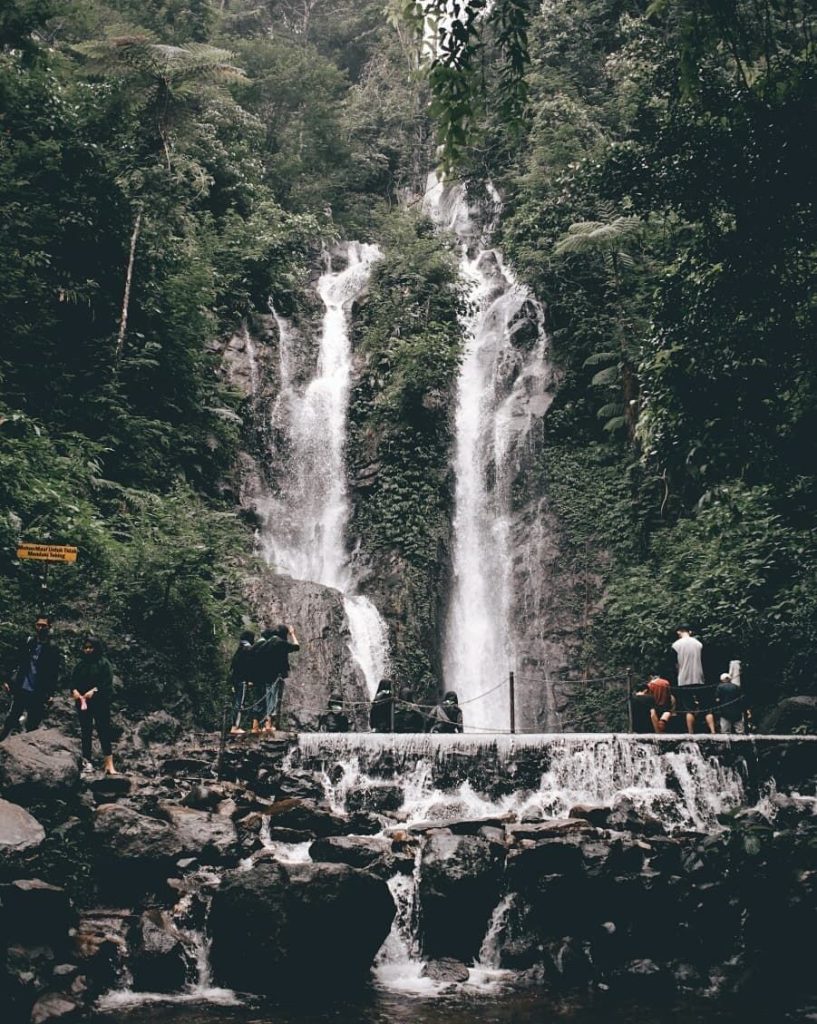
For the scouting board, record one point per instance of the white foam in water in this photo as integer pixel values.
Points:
(676, 781)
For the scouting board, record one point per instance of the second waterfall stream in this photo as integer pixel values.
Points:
(306, 519)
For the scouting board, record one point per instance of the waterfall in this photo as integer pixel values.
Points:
(531, 778)
(501, 393)
(306, 519)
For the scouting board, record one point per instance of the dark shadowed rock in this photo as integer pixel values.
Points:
(158, 964)
(357, 851)
(553, 827)
(459, 887)
(134, 853)
(101, 945)
(375, 799)
(306, 816)
(277, 924)
(110, 788)
(53, 1006)
(792, 715)
(39, 765)
(212, 838)
(159, 727)
(458, 826)
(36, 913)
(203, 798)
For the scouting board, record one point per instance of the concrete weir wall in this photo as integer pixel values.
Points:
(683, 781)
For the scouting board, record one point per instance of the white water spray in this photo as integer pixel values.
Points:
(502, 390)
(305, 534)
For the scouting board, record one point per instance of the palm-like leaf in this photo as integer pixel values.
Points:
(595, 236)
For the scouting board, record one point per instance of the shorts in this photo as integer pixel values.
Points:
(734, 728)
(688, 698)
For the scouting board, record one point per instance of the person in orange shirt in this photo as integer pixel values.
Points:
(663, 703)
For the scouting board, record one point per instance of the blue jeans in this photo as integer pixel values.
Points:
(273, 695)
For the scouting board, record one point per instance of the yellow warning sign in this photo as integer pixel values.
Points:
(47, 552)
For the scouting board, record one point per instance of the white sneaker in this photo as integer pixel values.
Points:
(87, 767)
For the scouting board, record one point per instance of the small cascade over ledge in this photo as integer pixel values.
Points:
(681, 782)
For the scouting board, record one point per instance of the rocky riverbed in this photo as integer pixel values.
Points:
(595, 866)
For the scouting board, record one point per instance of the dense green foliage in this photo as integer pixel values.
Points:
(165, 168)
(410, 342)
(662, 203)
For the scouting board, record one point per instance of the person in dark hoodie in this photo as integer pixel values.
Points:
(407, 715)
(34, 678)
(91, 687)
(241, 677)
(380, 713)
(270, 667)
(447, 715)
(334, 719)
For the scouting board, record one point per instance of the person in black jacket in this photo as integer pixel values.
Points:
(407, 715)
(92, 688)
(334, 719)
(34, 678)
(380, 713)
(447, 715)
(241, 677)
(270, 667)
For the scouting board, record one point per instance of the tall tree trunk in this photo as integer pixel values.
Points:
(123, 319)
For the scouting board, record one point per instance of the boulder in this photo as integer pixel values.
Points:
(451, 971)
(20, 833)
(158, 963)
(791, 716)
(357, 851)
(52, 1006)
(101, 945)
(303, 785)
(306, 816)
(39, 765)
(278, 924)
(134, 852)
(110, 788)
(374, 799)
(211, 838)
(459, 887)
(459, 826)
(36, 913)
(159, 727)
(203, 798)
(545, 829)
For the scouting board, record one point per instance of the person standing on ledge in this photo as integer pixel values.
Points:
(34, 679)
(381, 711)
(92, 688)
(270, 668)
(690, 677)
(240, 675)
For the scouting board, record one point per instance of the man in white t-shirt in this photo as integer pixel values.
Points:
(690, 674)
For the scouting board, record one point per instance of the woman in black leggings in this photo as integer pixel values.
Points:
(91, 686)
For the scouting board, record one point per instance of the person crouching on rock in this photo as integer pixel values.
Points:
(334, 719)
(34, 678)
(270, 667)
(662, 703)
(240, 677)
(447, 715)
(91, 688)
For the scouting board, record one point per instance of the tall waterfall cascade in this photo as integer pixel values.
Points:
(305, 528)
(503, 392)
